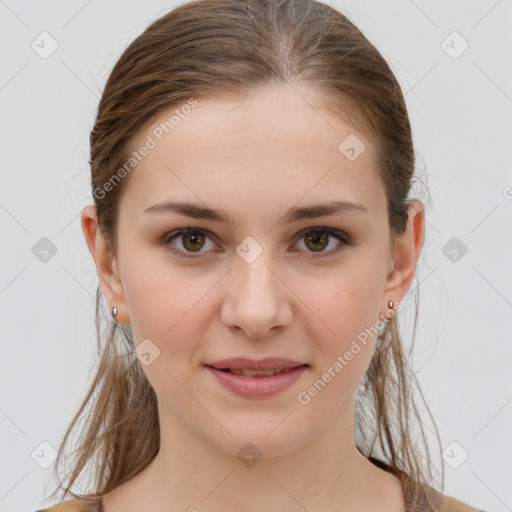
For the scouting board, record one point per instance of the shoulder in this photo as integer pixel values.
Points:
(454, 505)
(420, 497)
(75, 506)
(449, 503)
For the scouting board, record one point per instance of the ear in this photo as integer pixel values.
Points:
(106, 264)
(406, 254)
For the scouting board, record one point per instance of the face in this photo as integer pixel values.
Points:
(257, 278)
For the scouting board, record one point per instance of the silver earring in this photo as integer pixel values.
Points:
(114, 312)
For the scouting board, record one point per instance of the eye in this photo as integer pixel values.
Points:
(316, 238)
(191, 239)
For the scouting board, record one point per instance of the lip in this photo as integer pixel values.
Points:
(258, 386)
(242, 363)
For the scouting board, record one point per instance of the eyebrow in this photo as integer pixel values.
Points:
(294, 214)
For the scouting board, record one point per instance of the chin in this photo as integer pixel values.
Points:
(262, 442)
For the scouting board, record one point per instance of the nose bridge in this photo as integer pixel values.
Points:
(253, 271)
(255, 298)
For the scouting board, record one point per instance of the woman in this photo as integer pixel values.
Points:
(254, 238)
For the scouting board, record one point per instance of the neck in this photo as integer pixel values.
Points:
(325, 473)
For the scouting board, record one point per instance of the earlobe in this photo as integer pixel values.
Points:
(105, 262)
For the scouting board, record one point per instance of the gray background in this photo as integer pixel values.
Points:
(461, 112)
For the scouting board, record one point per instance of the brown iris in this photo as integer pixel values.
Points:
(196, 238)
(317, 239)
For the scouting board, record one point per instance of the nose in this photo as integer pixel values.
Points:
(256, 299)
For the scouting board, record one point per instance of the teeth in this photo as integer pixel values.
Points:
(252, 373)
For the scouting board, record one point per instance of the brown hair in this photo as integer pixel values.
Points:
(207, 48)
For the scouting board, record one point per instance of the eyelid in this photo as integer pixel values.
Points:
(343, 238)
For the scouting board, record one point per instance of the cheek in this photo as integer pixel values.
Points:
(156, 299)
(169, 306)
(154, 289)
(160, 313)
(346, 335)
(347, 306)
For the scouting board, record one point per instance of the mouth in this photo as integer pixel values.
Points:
(256, 373)
(241, 377)
(261, 365)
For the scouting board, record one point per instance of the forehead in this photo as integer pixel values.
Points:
(276, 144)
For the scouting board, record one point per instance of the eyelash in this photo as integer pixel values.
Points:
(323, 230)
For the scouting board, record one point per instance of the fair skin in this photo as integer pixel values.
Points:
(255, 159)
